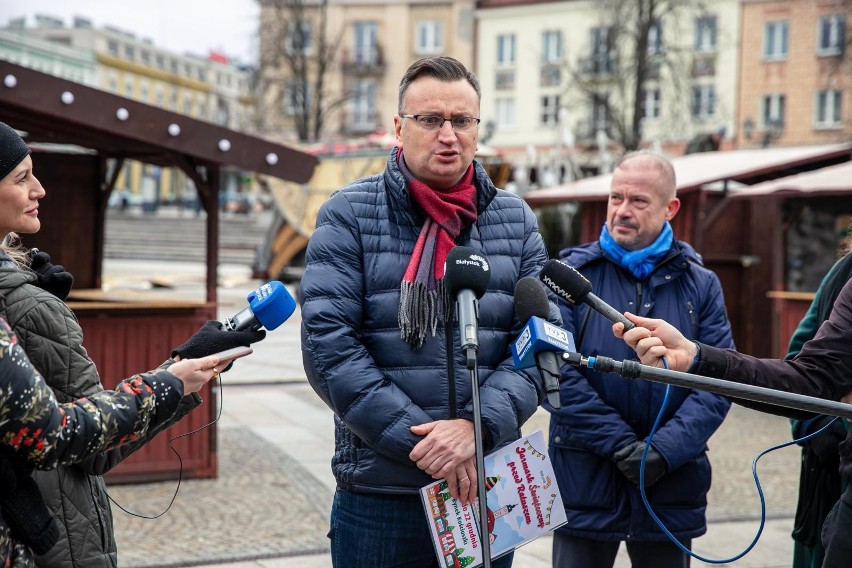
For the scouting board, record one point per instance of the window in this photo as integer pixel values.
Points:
(144, 92)
(703, 101)
(600, 113)
(705, 33)
(506, 49)
(128, 87)
(505, 113)
(430, 37)
(364, 105)
(550, 110)
(298, 38)
(830, 34)
(775, 40)
(828, 105)
(651, 104)
(129, 52)
(145, 57)
(297, 97)
(601, 63)
(772, 110)
(655, 38)
(366, 37)
(112, 47)
(551, 76)
(504, 79)
(551, 46)
(223, 115)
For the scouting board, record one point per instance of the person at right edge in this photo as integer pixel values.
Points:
(822, 369)
(598, 435)
(820, 483)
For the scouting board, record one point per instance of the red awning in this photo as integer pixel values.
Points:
(695, 171)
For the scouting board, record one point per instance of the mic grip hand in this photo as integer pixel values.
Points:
(212, 338)
(608, 311)
(549, 369)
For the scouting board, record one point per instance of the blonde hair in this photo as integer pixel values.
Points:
(16, 251)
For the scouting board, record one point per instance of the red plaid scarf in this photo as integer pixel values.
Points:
(423, 301)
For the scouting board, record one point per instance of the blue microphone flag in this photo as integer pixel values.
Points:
(539, 335)
(271, 304)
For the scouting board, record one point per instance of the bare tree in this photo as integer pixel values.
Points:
(303, 49)
(628, 53)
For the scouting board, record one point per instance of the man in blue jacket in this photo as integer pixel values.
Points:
(378, 342)
(597, 437)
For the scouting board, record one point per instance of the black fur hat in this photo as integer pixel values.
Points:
(13, 149)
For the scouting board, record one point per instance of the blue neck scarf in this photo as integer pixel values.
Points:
(640, 263)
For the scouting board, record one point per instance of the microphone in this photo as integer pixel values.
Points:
(566, 282)
(466, 276)
(269, 306)
(539, 340)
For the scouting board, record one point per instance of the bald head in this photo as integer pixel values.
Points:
(646, 160)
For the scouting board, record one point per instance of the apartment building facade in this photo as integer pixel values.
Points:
(206, 88)
(554, 82)
(376, 42)
(796, 85)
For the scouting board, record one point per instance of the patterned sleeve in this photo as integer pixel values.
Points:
(46, 433)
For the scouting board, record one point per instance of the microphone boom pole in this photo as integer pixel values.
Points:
(635, 370)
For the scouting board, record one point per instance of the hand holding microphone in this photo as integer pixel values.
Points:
(269, 306)
(566, 282)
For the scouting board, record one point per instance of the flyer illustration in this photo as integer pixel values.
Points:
(523, 503)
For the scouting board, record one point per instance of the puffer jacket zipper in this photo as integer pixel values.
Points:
(451, 376)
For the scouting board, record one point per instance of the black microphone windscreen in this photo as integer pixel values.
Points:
(565, 281)
(466, 269)
(531, 299)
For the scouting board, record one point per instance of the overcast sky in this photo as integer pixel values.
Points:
(196, 26)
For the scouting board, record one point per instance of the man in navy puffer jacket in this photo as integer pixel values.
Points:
(597, 437)
(377, 343)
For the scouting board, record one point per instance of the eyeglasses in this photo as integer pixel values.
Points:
(432, 122)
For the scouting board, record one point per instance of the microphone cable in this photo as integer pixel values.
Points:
(180, 460)
(753, 472)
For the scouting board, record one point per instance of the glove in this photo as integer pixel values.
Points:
(825, 446)
(212, 338)
(51, 277)
(629, 460)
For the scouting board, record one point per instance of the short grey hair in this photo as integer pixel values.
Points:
(646, 159)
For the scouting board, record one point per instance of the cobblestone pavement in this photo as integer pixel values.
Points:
(269, 506)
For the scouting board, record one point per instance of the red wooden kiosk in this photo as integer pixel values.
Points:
(81, 137)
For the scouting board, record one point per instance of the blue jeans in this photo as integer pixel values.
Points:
(371, 530)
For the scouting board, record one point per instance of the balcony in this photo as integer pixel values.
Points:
(363, 61)
(704, 65)
(598, 65)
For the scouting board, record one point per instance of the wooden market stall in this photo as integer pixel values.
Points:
(741, 238)
(81, 136)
